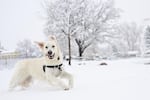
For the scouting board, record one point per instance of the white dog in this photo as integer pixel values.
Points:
(48, 67)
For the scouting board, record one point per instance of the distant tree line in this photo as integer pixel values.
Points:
(27, 49)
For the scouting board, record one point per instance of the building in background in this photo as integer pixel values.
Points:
(8, 54)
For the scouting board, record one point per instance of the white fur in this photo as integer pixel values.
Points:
(30, 69)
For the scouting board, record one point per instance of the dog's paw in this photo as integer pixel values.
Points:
(66, 89)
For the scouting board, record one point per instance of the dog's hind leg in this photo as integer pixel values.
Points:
(19, 77)
(26, 82)
(12, 85)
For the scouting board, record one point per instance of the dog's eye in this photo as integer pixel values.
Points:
(53, 46)
(46, 47)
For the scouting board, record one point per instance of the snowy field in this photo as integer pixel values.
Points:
(127, 79)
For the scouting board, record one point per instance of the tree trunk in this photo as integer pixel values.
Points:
(80, 51)
(69, 47)
(80, 47)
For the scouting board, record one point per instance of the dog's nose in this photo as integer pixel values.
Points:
(49, 52)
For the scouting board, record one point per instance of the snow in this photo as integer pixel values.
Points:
(124, 79)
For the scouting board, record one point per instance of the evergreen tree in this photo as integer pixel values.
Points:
(147, 40)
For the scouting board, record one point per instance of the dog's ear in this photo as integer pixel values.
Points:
(40, 44)
(51, 37)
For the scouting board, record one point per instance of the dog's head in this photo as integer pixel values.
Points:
(50, 48)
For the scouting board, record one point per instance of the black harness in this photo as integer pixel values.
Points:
(54, 66)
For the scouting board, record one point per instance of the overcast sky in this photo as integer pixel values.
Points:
(134, 10)
(20, 19)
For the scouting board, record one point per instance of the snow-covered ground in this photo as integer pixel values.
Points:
(127, 79)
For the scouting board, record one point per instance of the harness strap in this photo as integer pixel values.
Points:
(55, 66)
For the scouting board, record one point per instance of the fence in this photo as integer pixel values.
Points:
(8, 63)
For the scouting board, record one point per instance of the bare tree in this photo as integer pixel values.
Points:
(130, 34)
(1, 47)
(61, 19)
(96, 20)
(27, 49)
(82, 20)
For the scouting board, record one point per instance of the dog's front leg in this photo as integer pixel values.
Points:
(69, 77)
(52, 80)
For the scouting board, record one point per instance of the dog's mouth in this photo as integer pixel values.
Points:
(50, 56)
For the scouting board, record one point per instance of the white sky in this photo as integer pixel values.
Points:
(20, 19)
(134, 10)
